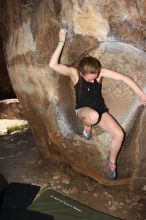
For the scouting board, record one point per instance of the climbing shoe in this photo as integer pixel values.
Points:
(111, 169)
(87, 134)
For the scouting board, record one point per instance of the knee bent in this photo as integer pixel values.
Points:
(91, 118)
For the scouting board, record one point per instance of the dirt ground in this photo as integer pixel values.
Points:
(20, 162)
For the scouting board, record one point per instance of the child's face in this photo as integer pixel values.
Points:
(90, 77)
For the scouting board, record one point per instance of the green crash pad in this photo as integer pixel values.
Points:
(64, 208)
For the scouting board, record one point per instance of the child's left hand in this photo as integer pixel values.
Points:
(142, 98)
(62, 34)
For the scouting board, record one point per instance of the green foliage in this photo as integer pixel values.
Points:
(17, 128)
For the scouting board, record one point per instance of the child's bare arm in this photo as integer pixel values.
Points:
(118, 76)
(54, 61)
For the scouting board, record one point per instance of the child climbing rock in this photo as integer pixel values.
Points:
(90, 106)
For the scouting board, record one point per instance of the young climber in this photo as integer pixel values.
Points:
(90, 106)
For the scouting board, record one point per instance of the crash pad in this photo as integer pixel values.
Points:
(63, 208)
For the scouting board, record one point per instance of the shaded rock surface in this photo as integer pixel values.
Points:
(6, 90)
(114, 32)
(12, 116)
(20, 162)
(11, 109)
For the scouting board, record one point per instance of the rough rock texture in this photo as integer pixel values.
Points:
(114, 32)
(11, 109)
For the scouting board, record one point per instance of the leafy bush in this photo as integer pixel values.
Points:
(17, 128)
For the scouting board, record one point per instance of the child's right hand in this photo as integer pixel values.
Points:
(62, 34)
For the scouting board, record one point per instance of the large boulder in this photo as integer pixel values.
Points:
(109, 30)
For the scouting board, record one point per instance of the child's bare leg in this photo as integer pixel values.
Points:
(109, 124)
(88, 116)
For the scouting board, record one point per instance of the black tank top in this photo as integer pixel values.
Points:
(90, 96)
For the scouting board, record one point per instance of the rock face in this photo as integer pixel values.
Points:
(114, 32)
(11, 109)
